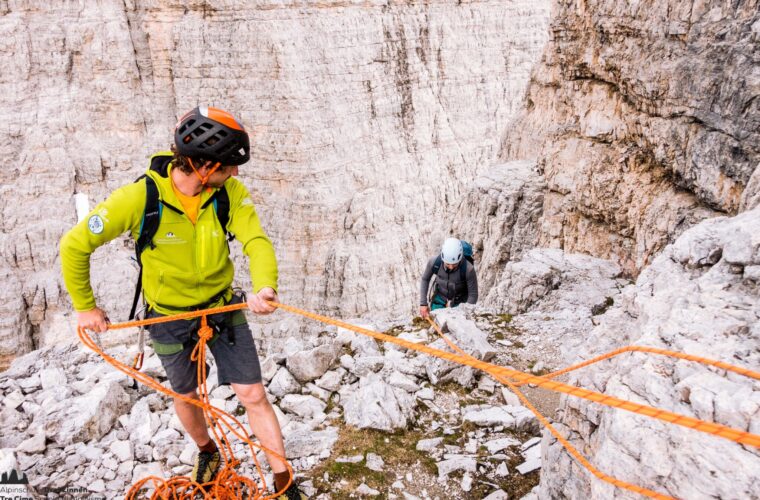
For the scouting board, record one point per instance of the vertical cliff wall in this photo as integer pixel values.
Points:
(368, 118)
(645, 119)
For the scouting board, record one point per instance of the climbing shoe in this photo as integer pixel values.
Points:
(206, 466)
(292, 493)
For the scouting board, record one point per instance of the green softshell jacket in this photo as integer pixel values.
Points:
(189, 265)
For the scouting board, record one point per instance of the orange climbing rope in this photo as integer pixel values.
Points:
(569, 447)
(723, 431)
(654, 350)
(229, 484)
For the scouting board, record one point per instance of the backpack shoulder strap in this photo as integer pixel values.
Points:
(463, 271)
(148, 228)
(160, 161)
(221, 201)
(222, 206)
(151, 218)
(437, 265)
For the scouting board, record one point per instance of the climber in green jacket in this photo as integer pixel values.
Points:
(187, 266)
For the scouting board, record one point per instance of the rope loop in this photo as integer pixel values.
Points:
(229, 485)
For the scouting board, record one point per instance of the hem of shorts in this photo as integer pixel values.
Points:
(228, 382)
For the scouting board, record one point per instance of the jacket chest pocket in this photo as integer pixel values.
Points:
(211, 244)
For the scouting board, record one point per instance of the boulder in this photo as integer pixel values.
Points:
(375, 405)
(86, 417)
(312, 364)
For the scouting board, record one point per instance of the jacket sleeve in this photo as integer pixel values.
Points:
(472, 285)
(427, 275)
(245, 225)
(122, 211)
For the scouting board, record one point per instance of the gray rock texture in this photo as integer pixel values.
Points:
(644, 119)
(499, 215)
(465, 333)
(702, 297)
(377, 405)
(367, 120)
(306, 366)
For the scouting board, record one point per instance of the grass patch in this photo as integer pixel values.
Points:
(472, 401)
(395, 331)
(504, 318)
(420, 322)
(331, 405)
(518, 344)
(453, 388)
(515, 483)
(398, 450)
(459, 437)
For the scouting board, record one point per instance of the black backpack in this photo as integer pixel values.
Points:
(159, 162)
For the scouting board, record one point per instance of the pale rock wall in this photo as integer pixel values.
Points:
(700, 296)
(645, 119)
(499, 216)
(368, 119)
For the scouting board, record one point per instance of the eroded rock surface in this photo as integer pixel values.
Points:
(701, 296)
(644, 120)
(367, 121)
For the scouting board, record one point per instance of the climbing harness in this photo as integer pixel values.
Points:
(228, 484)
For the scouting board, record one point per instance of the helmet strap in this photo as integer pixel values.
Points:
(204, 179)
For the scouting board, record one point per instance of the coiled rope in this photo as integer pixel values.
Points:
(230, 485)
(227, 484)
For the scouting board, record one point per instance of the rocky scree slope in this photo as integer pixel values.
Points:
(700, 296)
(358, 416)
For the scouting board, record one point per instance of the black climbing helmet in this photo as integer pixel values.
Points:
(211, 134)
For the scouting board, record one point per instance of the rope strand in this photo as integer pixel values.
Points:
(230, 485)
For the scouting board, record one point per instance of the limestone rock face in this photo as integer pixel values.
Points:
(499, 215)
(701, 296)
(644, 120)
(367, 120)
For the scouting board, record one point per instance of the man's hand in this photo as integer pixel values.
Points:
(94, 320)
(257, 301)
(424, 311)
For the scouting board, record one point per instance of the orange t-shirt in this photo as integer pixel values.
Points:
(191, 204)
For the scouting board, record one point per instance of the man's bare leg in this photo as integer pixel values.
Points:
(263, 422)
(192, 419)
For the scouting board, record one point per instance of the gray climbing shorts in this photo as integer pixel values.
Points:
(232, 347)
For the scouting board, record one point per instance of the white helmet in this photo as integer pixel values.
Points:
(451, 251)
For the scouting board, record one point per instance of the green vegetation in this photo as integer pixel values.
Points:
(503, 318)
(420, 322)
(398, 450)
(395, 331)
